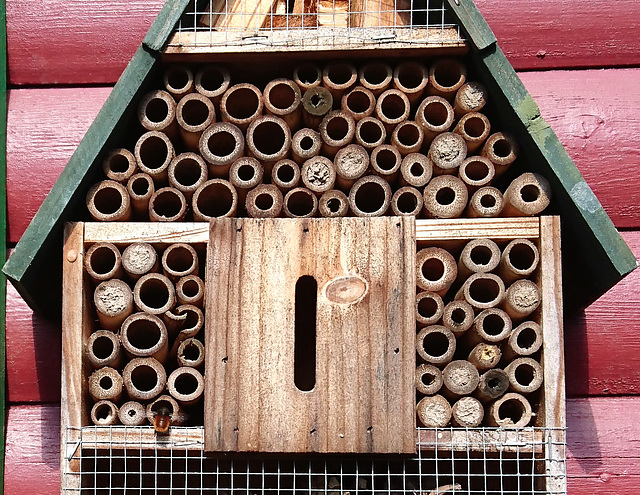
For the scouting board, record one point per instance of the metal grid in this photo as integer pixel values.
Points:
(480, 460)
(319, 24)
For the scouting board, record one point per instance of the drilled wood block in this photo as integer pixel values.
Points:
(277, 289)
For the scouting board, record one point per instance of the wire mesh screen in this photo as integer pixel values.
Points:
(320, 24)
(479, 460)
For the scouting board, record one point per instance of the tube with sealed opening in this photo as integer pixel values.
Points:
(139, 259)
(113, 301)
(350, 162)
(318, 174)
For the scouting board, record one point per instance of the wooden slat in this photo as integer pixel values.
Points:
(603, 447)
(360, 397)
(455, 229)
(155, 233)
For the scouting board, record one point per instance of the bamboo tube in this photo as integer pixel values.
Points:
(434, 411)
(407, 137)
(190, 290)
(392, 108)
(102, 261)
(509, 411)
(264, 201)
(132, 413)
(157, 112)
(447, 152)
(145, 335)
(525, 340)
(485, 356)
(165, 405)
(502, 149)
(435, 115)
(144, 378)
(482, 290)
(429, 308)
(337, 130)
(478, 256)
(407, 201)
(447, 489)
(212, 81)
(305, 144)
(282, 98)
(178, 81)
(140, 188)
(187, 172)
(285, 175)
(428, 379)
(193, 325)
(519, 259)
(268, 140)
(521, 299)
(486, 202)
(350, 163)
(194, 114)
(446, 76)
(415, 170)
(174, 322)
(527, 195)
(113, 301)
(300, 203)
(214, 199)
(445, 197)
(186, 385)
(139, 259)
(105, 384)
(476, 172)
(338, 78)
(318, 174)
(103, 349)
(436, 270)
(411, 78)
(525, 375)
(471, 97)
(240, 105)
(104, 413)
(167, 205)
(370, 196)
(370, 133)
(467, 412)
(191, 353)
(108, 201)
(119, 165)
(458, 317)
(359, 103)
(221, 144)
(385, 162)
(459, 378)
(154, 294)
(493, 384)
(491, 325)
(333, 204)
(154, 152)
(179, 260)
(245, 174)
(474, 128)
(436, 345)
(375, 77)
(316, 103)
(307, 76)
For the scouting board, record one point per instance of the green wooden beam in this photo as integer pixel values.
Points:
(164, 24)
(473, 23)
(3, 227)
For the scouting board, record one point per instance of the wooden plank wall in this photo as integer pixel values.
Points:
(61, 71)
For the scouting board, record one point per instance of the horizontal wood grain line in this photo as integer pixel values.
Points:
(471, 228)
(123, 233)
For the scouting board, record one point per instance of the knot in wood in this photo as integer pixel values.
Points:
(348, 289)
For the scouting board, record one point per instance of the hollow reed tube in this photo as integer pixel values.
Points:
(474, 128)
(478, 256)
(167, 205)
(370, 133)
(493, 384)
(305, 144)
(316, 103)
(482, 290)
(407, 137)
(370, 196)
(491, 325)
(502, 149)
(105, 384)
(436, 345)
(178, 81)
(338, 78)
(359, 103)
(307, 76)
(144, 378)
(436, 270)
(220, 145)
(145, 335)
(392, 108)
(241, 104)
(119, 164)
(104, 413)
(300, 203)
(103, 349)
(429, 308)
(192, 326)
(190, 290)
(486, 202)
(132, 413)
(113, 301)
(179, 260)
(512, 410)
(264, 201)
(525, 340)
(140, 188)
(103, 261)
(415, 170)
(187, 172)
(138, 259)
(337, 130)
(428, 379)
(157, 112)
(385, 162)
(191, 353)
(528, 195)
(285, 175)
(154, 294)
(268, 140)
(109, 201)
(435, 115)
(407, 201)
(212, 81)
(283, 98)
(194, 114)
(476, 172)
(446, 76)
(214, 199)
(376, 77)
(333, 204)
(445, 197)
(519, 259)
(186, 385)
(411, 78)
(154, 152)
(458, 317)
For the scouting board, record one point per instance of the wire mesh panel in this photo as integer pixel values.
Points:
(315, 24)
(492, 461)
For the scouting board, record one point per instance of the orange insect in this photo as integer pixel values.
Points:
(162, 420)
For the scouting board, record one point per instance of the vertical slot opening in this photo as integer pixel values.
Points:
(304, 361)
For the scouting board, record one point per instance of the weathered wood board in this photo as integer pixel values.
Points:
(362, 398)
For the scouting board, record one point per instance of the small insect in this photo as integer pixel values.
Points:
(162, 420)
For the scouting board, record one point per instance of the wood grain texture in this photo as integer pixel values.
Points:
(597, 460)
(359, 396)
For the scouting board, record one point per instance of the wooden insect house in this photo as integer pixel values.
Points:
(315, 247)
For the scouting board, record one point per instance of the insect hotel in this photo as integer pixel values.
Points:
(316, 247)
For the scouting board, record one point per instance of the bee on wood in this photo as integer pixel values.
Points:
(162, 420)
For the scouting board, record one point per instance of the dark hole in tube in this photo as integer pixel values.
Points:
(474, 127)
(242, 103)
(186, 384)
(178, 79)
(187, 172)
(386, 160)
(435, 344)
(476, 171)
(433, 269)
(195, 112)
(458, 316)
(154, 152)
(521, 256)
(102, 347)
(140, 186)
(484, 290)
(408, 135)
(118, 164)
(393, 107)
(300, 204)
(445, 196)
(334, 205)
(167, 204)
(180, 260)
(246, 173)
(154, 293)
(285, 174)
(427, 307)
(269, 138)
(282, 96)
(222, 143)
(103, 260)
(212, 80)
(435, 113)
(524, 374)
(370, 197)
(407, 203)
(264, 202)
(370, 132)
(191, 352)
(502, 148)
(107, 200)
(216, 200)
(480, 255)
(144, 378)
(106, 383)
(428, 379)
(487, 201)
(493, 325)
(340, 74)
(143, 334)
(529, 193)
(156, 110)
(526, 338)
(511, 409)
(305, 333)
(358, 102)
(103, 412)
(190, 288)
(306, 143)
(337, 128)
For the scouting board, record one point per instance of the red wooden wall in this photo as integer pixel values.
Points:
(579, 60)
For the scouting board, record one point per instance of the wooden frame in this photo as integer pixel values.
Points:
(77, 322)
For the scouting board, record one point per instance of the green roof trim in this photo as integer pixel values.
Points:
(589, 235)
